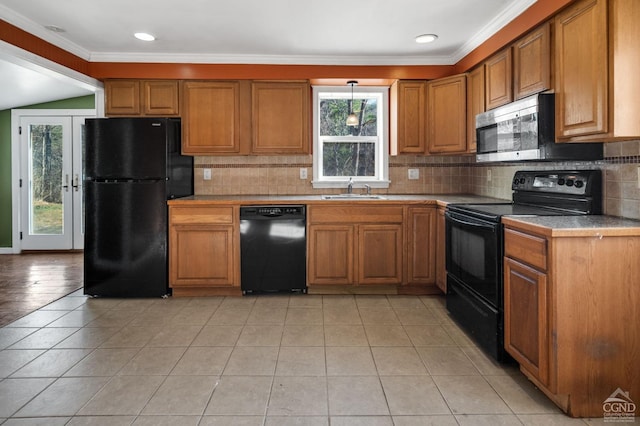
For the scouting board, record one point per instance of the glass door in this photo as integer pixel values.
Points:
(51, 182)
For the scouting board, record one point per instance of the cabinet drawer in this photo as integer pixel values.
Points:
(356, 214)
(528, 248)
(200, 215)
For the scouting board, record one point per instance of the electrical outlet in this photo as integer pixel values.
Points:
(413, 174)
(638, 184)
(488, 175)
(303, 173)
(206, 174)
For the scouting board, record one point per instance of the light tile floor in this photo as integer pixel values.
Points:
(260, 360)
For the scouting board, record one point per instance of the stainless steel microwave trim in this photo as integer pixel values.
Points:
(529, 154)
(501, 136)
(509, 111)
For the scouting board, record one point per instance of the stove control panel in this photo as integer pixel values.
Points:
(558, 182)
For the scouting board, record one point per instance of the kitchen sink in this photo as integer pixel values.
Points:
(352, 197)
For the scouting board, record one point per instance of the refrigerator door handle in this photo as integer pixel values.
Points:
(66, 183)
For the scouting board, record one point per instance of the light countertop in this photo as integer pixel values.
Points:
(576, 226)
(440, 199)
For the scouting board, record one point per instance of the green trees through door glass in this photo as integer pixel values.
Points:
(45, 175)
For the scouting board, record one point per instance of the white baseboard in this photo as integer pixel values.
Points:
(8, 250)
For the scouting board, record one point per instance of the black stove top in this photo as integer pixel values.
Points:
(545, 193)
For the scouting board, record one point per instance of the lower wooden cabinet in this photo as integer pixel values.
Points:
(526, 313)
(362, 247)
(203, 250)
(331, 254)
(571, 311)
(441, 251)
(355, 245)
(379, 254)
(421, 245)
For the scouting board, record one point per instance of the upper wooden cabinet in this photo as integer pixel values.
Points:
(532, 62)
(408, 103)
(160, 98)
(141, 98)
(447, 115)
(280, 117)
(475, 104)
(499, 79)
(596, 71)
(210, 117)
(244, 117)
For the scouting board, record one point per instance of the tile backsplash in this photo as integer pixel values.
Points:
(280, 175)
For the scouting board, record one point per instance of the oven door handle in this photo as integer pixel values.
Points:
(482, 225)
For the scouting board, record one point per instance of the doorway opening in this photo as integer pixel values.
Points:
(49, 171)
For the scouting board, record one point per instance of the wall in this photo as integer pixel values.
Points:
(620, 172)
(83, 102)
(279, 175)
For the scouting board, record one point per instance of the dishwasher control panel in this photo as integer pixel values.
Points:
(272, 211)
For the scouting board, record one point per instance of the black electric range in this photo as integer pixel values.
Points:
(475, 245)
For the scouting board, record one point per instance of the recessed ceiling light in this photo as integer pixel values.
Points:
(426, 38)
(55, 28)
(144, 36)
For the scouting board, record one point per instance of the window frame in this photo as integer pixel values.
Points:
(381, 180)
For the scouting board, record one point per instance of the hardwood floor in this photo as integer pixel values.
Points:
(30, 281)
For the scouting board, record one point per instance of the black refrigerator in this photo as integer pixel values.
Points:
(132, 167)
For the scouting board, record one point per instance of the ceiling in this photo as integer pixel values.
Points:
(327, 32)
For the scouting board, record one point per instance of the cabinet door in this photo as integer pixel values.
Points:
(526, 318)
(201, 255)
(581, 66)
(160, 97)
(122, 97)
(475, 104)
(499, 79)
(441, 267)
(210, 117)
(331, 254)
(280, 117)
(421, 235)
(379, 254)
(532, 63)
(447, 114)
(408, 119)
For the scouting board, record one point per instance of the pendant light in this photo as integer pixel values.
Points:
(352, 119)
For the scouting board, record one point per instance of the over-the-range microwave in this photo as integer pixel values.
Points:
(525, 130)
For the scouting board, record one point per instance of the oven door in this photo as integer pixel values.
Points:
(474, 255)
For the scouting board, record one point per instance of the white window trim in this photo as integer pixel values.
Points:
(383, 149)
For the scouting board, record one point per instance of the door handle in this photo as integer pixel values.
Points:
(75, 182)
(66, 183)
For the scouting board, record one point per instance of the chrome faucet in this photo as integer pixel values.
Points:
(368, 187)
(350, 186)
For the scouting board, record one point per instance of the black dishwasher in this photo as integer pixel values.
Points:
(273, 248)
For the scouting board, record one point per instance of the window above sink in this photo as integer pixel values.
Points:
(343, 152)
